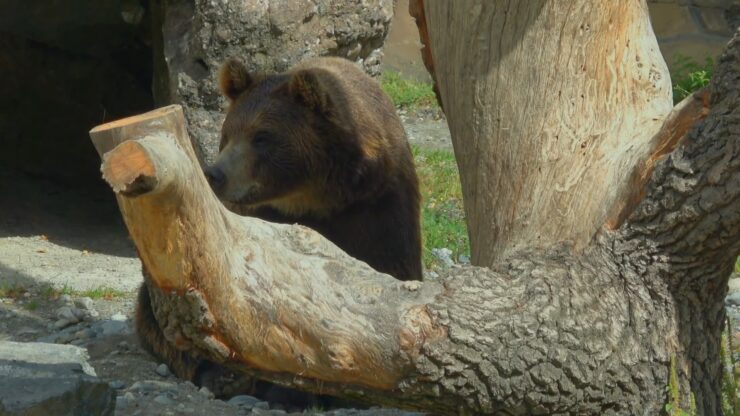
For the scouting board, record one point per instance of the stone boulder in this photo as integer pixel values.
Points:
(50, 379)
(193, 37)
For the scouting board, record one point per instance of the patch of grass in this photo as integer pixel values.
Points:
(730, 372)
(31, 305)
(52, 292)
(407, 93)
(443, 217)
(12, 291)
(673, 407)
(689, 76)
(101, 293)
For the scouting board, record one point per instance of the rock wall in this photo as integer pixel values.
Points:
(195, 36)
(66, 66)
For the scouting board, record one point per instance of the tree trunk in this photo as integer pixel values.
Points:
(549, 101)
(586, 326)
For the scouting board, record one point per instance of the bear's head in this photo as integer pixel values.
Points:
(281, 140)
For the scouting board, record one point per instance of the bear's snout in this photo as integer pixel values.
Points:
(216, 177)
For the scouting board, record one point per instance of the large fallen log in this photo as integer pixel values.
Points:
(549, 329)
(273, 298)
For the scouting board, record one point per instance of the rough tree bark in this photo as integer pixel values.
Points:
(573, 326)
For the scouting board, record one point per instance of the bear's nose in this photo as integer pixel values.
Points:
(216, 177)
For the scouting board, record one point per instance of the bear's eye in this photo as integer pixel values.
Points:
(261, 139)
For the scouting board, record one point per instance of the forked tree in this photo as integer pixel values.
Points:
(604, 224)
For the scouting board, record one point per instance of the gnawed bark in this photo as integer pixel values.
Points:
(676, 126)
(546, 102)
(557, 328)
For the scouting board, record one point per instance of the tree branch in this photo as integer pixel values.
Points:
(544, 332)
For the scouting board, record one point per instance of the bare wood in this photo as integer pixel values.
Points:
(194, 247)
(547, 331)
(676, 127)
(565, 99)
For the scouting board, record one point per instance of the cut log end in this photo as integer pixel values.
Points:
(137, 119)
(129, 170)
(107, 136)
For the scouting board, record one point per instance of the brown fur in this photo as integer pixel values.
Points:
(322, 146)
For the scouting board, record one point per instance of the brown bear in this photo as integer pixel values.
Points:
(320, 145)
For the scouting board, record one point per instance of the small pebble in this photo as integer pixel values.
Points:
(262, 405)
(121, 402)
(84, 303)
(117, 384)
(65, 298)
(80, 313)
(733, 299)
(27, 331)
(163, 370)
(734, 283)
(114, 327)
(64, 338)
(86, 333)
(65, 312)
(153, 385)
(165, 400)
(61, 324)
(205, 392)
(118, 317)
(444, 255)
(49, 339)
(243, 400)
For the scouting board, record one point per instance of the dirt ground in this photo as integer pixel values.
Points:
(60, 244)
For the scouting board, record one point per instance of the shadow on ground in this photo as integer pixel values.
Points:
(80, 218)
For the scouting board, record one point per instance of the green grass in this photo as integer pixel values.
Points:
(101, 293)
(11, 291)
(730, 390)
(689, 76)
(96, 293)
(443, 217)
(673, 407)
(50, 292)
(31, 305)
(406, 93)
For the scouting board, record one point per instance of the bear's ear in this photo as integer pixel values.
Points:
(308, 86)
(234, 79)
